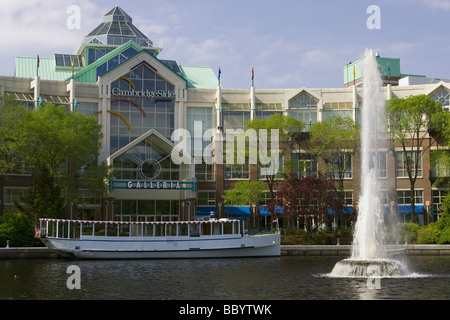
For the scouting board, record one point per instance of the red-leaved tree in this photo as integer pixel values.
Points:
(306, 201)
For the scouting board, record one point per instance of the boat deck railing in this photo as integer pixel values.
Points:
(78, 229)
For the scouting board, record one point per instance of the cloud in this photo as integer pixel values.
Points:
(42, 24)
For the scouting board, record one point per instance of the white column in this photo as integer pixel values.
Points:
(71, 88)
(252, 103)
(36, 85)
(219, 106)
(355, 104)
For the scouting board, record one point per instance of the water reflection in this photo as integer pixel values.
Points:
(284, 278)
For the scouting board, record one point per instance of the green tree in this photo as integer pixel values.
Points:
(56, 144)
(43, 199)
(245, 193)
(288, 128)
(335, 140)
(409, 122)
(17, 227)
(11, 113)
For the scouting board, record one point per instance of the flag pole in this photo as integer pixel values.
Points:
(37, 66)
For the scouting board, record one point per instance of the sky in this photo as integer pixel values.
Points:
(289, 43)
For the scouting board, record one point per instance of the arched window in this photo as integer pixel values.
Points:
(304, 108)
(443, 96)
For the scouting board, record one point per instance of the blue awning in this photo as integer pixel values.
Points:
(265, 212)
(406, 209)
(205, 210)
(346, 210)
(237, 211)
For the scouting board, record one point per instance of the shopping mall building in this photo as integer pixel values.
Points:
(140, 100)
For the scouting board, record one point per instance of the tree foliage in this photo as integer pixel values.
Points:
(55, 144)
(308, 198)
(335, 140)
(288, 129)
(409, 121)
(245, 193)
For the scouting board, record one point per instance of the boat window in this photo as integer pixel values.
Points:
(183, 229)
(206, 229)
(87, 228)
(194, 230)
(148, 230)
(112, 229)
(75, 230)
(136, 230)
(124, 230)
(160, 230)
(217, 228)
(171, 230)
(228, 228)
(99, 229)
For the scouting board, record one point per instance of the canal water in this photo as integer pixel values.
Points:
(282, 278)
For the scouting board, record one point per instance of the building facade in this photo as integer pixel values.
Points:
(140, 101)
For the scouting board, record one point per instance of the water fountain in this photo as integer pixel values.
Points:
(369, 252)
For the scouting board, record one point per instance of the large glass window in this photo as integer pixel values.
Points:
(203, 118)
(304, 108)
(444, 97)
(404, 197)
(402, 159)
(338, 109)
(303, 164)
(141, 100)
(338, 166)
(382, 163)
(147, 210)
(235, 119)
(147, 160)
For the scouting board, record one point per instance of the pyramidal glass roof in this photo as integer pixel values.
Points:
(116, 29)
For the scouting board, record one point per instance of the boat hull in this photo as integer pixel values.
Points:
(143, 248)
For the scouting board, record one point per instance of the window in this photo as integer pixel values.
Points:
(278, 175)
(340, 166)
(265, 114)
(134, 115)
(147, 160)
(236, 171)
(304, 165)
(438, 196)
(402, 160)
(206, 198)
(443, 96)
(382, 164)
(12, 195)
(339, 109)
(204, 172)
(233, 119)
(438, 168)
(147, 210)
(404, 197)
(304, 108)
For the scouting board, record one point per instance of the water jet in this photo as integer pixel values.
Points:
(369, 248)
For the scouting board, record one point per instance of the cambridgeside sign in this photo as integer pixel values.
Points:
(144, 93)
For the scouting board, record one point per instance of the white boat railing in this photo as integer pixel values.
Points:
(78, 229)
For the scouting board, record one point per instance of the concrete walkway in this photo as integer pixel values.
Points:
(344, 250)
(286, 250)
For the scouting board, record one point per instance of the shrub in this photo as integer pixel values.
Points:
(408, 232)
(19, 229)
(428, 235)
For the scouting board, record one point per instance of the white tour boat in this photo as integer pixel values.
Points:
(146, 240)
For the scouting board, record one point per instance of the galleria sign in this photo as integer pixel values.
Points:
(144, 93)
